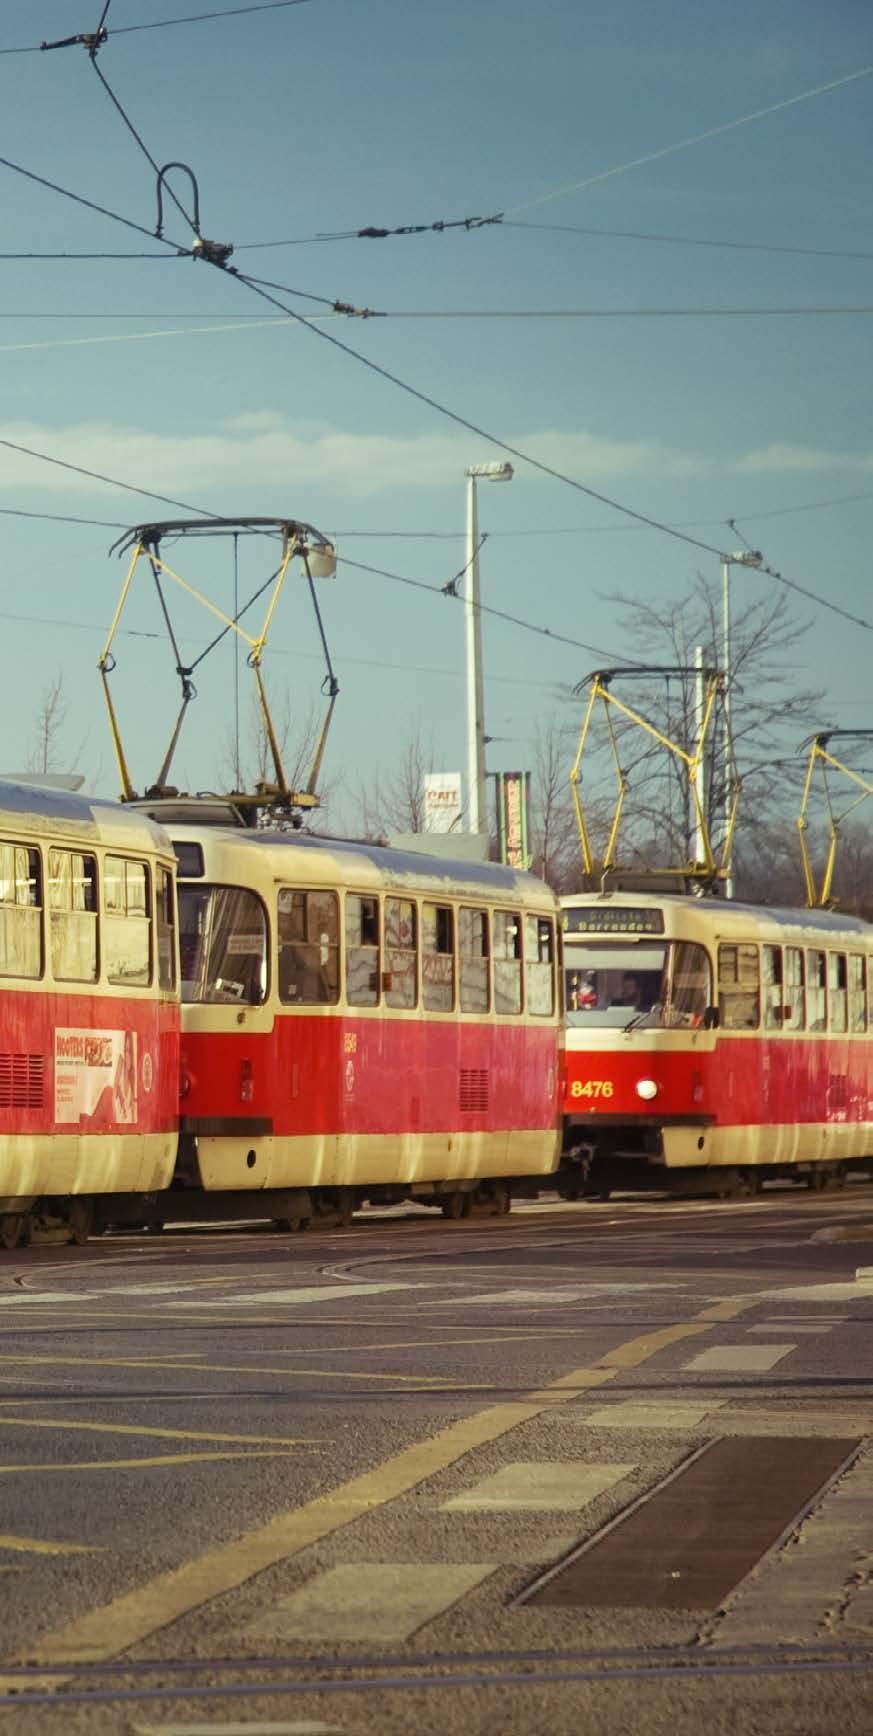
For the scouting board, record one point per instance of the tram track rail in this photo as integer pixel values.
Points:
(414, 1672)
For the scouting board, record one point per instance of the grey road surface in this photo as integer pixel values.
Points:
(602, 1468)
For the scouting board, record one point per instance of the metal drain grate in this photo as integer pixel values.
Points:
(694, 1539)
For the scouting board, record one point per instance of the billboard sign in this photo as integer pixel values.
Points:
(443, 802)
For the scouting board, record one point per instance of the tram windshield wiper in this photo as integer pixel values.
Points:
(637, 1020)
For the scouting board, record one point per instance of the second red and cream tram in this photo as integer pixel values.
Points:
(715, 1042)
(362, 1023)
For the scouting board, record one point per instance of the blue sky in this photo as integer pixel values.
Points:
(331, 115)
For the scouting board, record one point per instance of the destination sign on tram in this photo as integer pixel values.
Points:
(596, 919)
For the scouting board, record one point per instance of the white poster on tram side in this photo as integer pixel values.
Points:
(95, 1078)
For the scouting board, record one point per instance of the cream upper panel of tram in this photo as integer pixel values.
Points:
(42, 813)
(261, 861)
(710, 920)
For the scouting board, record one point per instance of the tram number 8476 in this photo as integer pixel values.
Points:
(592, 1088)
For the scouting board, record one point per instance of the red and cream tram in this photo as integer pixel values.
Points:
(89, 1016)
(361, 1023)
(716, 1043)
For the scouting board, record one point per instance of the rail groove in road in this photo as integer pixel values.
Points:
(459, 1670)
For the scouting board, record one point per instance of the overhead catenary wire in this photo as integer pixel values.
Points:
(678, 240)
(258, 288)
(384, 535)
(348, 309)
(91, 205)
(509, 212)
(168, 23)
(687, 144)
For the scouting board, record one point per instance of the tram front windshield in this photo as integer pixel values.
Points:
(623, 983)
(223, 944)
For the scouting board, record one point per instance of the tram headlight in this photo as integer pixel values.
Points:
(647, 1089)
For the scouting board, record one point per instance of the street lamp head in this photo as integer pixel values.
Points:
(490, 472)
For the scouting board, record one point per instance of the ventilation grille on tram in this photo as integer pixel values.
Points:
(473, 1090)
(21, 1081)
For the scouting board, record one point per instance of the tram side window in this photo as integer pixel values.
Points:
(437, 958)
(857, 992)
(401, 952)
(308, 935)
(794, 1018)
(771, 985)
(690, 987)
(223, 944)
(738, 987)
(362, 951)
(816, 993)
(539, 971)
(73, 915)
(127, 922)
(837, 991)
(165, 911)
(506, 930)
(20, 912)
(473, 960)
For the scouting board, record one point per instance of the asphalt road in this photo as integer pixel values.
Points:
(262, 1483)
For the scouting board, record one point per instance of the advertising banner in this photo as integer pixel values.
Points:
(513, 817)
(95, 1078)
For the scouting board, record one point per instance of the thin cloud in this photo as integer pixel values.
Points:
(260, 449)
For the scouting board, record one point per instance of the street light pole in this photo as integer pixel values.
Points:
(475, 685)
(741, 558)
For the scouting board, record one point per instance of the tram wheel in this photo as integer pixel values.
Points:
(81, 1214)
(458, 1205)
(292, 1225)
(818, 1179)
(11, 1227)
(502, 1202)
(346, 1208)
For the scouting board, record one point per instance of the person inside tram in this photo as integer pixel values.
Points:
(582, 993)
(631, 994)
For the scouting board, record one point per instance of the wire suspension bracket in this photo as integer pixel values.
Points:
(318, 558)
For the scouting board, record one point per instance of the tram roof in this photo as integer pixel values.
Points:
(359, 862)
(729, 913)
(43, 808)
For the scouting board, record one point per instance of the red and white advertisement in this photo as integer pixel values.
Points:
(95, 1078)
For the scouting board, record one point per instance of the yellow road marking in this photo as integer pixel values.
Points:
(639, 1350)
(35, 1546)
(432, 1380)
(138, 1464)
(104, 1632)
(157, 1434)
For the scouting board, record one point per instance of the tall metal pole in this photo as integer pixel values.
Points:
(475, 684)
(235, 642)
(698, 853)
(727, 794)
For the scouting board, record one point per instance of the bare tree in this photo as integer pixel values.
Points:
(554, 836)
(48, 726)
(394, 801)
(297, 738)
(47, 752)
